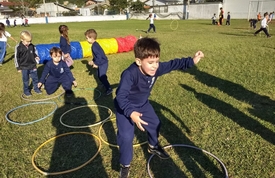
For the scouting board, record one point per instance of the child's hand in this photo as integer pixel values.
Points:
(135, 116)
(95, 66)
(198, 57)
(91, 63)
(39, 84)
(19, 71)
(75, 83)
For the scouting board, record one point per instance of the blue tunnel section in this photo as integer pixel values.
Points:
(43, 51)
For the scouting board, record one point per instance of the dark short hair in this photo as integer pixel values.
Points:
(146, 47)
(55, 50)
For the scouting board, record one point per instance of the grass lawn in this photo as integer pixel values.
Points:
(224, 105)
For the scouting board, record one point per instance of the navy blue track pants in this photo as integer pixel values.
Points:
(125, 134)
(52, 84)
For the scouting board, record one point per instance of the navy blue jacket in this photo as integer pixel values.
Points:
(64, 46)
(134, 88)
(56, 71)
(98, 54)
(24, 57)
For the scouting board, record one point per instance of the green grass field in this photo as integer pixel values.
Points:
(224, 105)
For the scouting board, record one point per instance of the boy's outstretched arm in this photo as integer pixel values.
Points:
(198, 57)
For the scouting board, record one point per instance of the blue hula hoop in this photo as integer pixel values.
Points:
(31, 122)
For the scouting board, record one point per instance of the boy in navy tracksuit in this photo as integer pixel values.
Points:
(25, 62)
(100, 60)
(57, 72)
(131, 102)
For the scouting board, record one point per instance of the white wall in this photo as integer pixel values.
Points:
(64, 19)
(239, 9)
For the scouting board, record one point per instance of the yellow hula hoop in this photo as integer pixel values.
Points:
(70, 170)
(110, 144)
(176, 26)
(85, 126)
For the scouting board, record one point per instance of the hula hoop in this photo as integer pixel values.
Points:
(27, 123)
(70, 170)
(177, 25)
(110, 144)
(188, 146)
(85, 126)
(81, 103)
(45, 99)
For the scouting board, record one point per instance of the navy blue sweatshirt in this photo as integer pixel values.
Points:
(98, 54)
(64, 46)
(134, 88)
(56, 71)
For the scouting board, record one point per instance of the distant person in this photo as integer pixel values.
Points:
(263, 26)
(25, 59)
(228, 19)
(22, 21)
(253, 23)
(26, 22)
(270, 17)
(151, 17)
(65, 44)
(259, 17)
(221, 16)
(56, 72)
(100, 60)
(14, 23)
(131, 102)
(8, 22)
(214, 19)
(4, 35)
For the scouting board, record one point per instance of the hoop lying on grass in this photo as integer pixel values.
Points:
(31, 122)
(85, 126)
(70, 170)
(110, 144)
(188, 146)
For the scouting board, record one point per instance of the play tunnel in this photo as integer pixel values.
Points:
(82, 49)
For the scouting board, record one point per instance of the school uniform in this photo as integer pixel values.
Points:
(54, 75)
(66, 49)
(132, 95)
(101, 60)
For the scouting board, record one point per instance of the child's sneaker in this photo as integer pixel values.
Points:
(109, 91)
(38, 92)
(159, 151)
(27, 94)
(124, 172)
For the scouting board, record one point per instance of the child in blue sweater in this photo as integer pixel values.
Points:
(131, 101)
(57, 72)
(65, 44)
(100, 61)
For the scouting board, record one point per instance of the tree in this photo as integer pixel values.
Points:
(137, 6)
(118, 5)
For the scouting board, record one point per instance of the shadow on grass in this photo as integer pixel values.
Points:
(73, 150)
(237, 34)
(263, 106)
(196, 163)
(105, 100)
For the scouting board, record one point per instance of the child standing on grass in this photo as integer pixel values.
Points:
(65, 45)
(100, 61)
(57, 72)
(263, 26)
(214, 22)
(3, 42)
(131, 101)
(151, 17)
(26, 59)
(228, 19)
